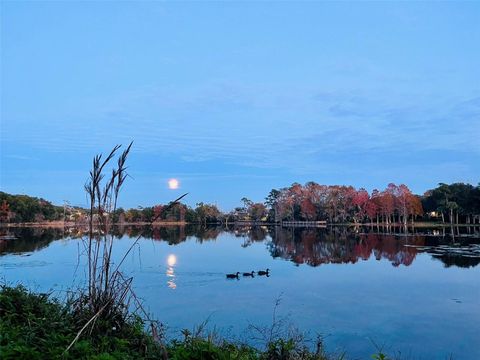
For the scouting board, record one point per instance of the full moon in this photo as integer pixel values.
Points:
(173, 184)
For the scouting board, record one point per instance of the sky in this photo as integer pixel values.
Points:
(236, 98)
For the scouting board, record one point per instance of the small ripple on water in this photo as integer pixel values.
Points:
(471, 250)
(199, 273)
(24, 264)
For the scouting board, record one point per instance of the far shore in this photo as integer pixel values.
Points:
(61, 224)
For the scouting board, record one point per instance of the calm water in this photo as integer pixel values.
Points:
(417, 294)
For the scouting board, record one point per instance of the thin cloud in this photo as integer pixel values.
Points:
(226, 124)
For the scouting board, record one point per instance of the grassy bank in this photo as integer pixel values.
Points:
(35, 326)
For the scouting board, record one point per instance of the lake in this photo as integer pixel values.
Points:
(417, 293)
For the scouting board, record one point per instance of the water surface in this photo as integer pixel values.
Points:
(413, 293)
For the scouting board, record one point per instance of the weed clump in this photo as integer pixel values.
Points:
(34, 326)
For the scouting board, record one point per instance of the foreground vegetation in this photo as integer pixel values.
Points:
(34, 326)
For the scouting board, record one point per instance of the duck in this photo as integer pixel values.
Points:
(249, 274)
(261, 272)
(233, 276)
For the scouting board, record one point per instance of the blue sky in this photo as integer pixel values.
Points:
(237, 98)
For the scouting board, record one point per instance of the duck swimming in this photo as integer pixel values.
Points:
(233, 276)
(249, 274)
(262, 273)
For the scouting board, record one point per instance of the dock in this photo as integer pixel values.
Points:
(319, 223)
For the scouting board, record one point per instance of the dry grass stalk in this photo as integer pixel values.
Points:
(109, 292)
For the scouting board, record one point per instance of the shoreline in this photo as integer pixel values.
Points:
(61, 224)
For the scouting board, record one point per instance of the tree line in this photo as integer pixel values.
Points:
(23, 208)
(457, 203)
(396, 204)
(454, 203)
(341, 204)
(201, 213)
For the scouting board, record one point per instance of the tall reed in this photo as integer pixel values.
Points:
(109, 294)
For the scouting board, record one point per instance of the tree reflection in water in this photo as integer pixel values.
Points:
(341, 246)
(27, 239)
(311, 246)
(316, 247)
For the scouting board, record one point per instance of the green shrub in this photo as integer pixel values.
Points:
(33, 326)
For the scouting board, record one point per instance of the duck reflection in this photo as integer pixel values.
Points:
(171, 262)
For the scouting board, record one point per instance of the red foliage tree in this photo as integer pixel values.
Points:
(4, 212)
(361, 199)
(158, 212)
